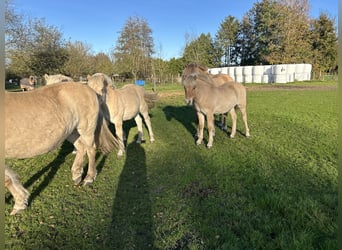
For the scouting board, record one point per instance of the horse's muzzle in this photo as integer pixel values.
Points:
(189, 101)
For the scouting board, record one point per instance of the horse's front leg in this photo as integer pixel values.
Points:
(200, 127)
(211, 129)
(19, 193)
(139, 123)
(119, 135)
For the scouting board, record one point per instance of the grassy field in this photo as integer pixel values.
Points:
(275, 190)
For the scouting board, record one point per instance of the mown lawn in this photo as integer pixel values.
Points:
(275, 190)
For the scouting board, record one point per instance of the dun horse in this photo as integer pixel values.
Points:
(51, 79)
(37, 122)
(209, 99)
(27, 84)
(123, 104)
(218, 80)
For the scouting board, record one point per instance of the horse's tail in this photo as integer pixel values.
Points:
(151, 99)
(104, 139)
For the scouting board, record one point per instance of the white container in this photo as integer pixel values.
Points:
(307, 72)
(214, 71)
(280, 73)
(257, 73)
(238, 74)
(291, 70)
(231, 72)
(268, 74)
(299, 74)
(247, 74)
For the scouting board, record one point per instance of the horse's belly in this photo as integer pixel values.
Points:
(33, 143)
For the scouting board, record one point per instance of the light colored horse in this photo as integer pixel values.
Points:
(37, 122)
(218, 80)
(123, 104)
(27, 84)
(209, 99)
(51, 79)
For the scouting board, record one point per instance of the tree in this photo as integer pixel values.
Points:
(324, 44)
(201, 50)
(79, 59)
(134, 49)
(278, 32)
(40, 51)
(102, 63)
(226, 39)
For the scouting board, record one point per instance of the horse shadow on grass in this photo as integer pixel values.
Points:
(131, 226)
(185, 115)
(50, 170)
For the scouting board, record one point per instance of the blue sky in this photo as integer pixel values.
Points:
(98, 23)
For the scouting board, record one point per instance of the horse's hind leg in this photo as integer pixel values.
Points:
(139, 123)
(19, 193)
(233, 115)
(77, 168)
(244, 118)
(144, 113)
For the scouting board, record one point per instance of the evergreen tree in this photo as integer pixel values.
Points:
(226, 39)
(324, 44)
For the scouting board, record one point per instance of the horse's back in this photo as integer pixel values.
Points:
(38, 121)
(133, 98)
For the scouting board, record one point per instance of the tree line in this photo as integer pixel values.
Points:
(272, 32)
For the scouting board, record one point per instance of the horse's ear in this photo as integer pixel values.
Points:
(46, 76)
(88, 77)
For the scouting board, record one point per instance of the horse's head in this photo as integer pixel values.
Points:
(189, 84)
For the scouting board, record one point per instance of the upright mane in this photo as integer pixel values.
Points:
(194, 68)
(195, 78)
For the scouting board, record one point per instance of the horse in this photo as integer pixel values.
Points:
(66, 111)
(51, 79)
(209, 99)
(218, 80)
(123, 104)
(27, 84)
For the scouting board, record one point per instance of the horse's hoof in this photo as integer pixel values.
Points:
(209, 146)
(77, 180)
(120, 153)
(88, 183)
(17, 211)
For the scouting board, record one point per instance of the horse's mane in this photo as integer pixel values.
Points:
(197, 78)
(107, 81)
(194, 68)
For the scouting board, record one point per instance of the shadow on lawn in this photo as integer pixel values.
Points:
(131, 226)
(49, 170)
(186, 115)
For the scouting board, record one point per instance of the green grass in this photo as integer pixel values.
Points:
(275, 190)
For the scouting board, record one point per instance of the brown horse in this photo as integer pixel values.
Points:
(123, 104)
(218, 80)
(209, 99)
(37, 122)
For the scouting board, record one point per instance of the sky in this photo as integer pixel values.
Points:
(98, 23)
